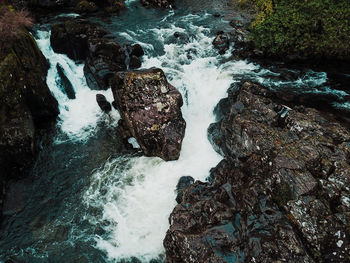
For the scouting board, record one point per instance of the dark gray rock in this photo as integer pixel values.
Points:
(280, 195)
(65, 83)
(103, 103)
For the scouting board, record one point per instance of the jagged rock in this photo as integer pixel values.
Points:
(106, 57)
(184, 182)
(65, 83)
(135, 62)
(103, 103)
(72, 36)
(26, 104)
(158, 3)
(150, 108)
(136, 50)
(222, 42)
(280, 194)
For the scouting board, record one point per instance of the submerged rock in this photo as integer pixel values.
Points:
(103, 103)
(65, 83)
(280, 194)
(151, 109)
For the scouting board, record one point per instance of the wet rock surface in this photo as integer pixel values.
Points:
(72, 36)
(26, 105)
(281, 194)
(150, 108)
(103, 103)
(158, 3)
(65, 83)
(83, 40)
(106, 57)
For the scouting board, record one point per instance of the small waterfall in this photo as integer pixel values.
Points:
(137, 195)
(78, 117)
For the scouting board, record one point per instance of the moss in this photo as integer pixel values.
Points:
(305, 28)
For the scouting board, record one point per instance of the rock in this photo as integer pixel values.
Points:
(26, 105)
(114, 6)
(72, 36)
(65, 83)
(281, 193)
(48, 4)
(41, 7)
(150, 108)
(184, 182)
(134, 62)
(86, 7)
(137, 50)
(158, 3)
(222, 42)
(103, 103)
(105, 58)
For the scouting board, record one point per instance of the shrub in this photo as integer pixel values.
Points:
(308, 28)
(10, 22)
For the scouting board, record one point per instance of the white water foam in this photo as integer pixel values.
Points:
(137, 195)
(78, 117)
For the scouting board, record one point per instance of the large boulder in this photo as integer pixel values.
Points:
(72, 36)
(280, 195)
(26, 104)
(105, 58)
(151, 109)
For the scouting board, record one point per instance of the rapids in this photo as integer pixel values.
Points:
(89, 200)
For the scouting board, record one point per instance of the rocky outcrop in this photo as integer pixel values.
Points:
(41, 7)
(82, 40)
(72, 36)
(280, 195)
(150, 109)
(158, 3)
(26, 105)
(106, 57)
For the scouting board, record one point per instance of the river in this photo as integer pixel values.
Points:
(90, 200)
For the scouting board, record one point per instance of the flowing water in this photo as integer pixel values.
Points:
(91, 200)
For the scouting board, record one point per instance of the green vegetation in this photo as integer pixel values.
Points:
(307, 28)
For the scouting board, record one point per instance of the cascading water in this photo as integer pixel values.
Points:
(79, 116)
(91, 202)
(137, 203)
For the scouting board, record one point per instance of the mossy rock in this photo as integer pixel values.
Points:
(26, 104)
